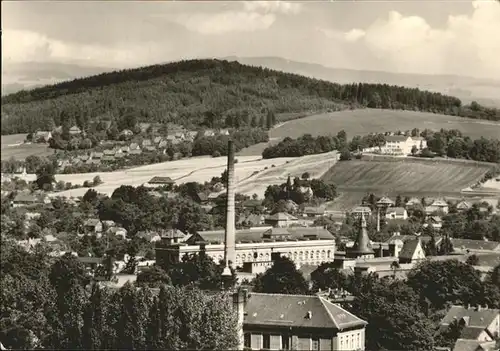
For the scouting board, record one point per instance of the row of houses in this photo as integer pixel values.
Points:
(175, 136)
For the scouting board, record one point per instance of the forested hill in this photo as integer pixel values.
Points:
(211, 92)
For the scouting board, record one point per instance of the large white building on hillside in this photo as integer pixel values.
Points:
(399, 145)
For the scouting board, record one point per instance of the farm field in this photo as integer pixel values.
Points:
(418, 178)
(12, 146)
(365, 121)
(250, 172)
(198, 169)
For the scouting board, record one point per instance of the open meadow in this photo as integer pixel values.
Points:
(198, 169)
(365, 121)
(12, 146)
(406, 177)
(253, 174)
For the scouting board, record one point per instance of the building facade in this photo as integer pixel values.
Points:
(311, 245)
(297, 322)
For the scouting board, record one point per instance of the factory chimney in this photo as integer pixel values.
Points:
(229, 242)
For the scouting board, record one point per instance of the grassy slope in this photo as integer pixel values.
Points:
(407, 177)
(362, 122)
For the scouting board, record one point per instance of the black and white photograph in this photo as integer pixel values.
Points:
(250, 175)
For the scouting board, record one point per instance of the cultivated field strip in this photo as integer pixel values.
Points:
(405, 176)
(365, 121)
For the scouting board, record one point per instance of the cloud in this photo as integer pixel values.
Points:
(466, 44)
(228, 21)
(283, 7)
(26, 46)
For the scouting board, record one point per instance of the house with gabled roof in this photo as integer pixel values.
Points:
(93, 225)
(412, 251)
(463, 206)
(281, 219)
(479, 324)
(157, 182)
(438, 205)
(135, 149)
(208, 133)
(163, 144)
(157, 140)
(42, 136)
(396, 213)
(297, 322)
(75, 130)
(385, 201)
(361, 210)
(414, 201)
(146, 142)
(310, 211)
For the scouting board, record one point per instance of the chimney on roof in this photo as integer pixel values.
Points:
(309, 315)
(229, 247)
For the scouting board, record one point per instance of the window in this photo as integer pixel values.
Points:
(248, 340)
(266, 342)
(285, 342)
(315, 345)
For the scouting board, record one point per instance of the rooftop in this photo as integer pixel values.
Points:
(256, 234)
(478, 317)
(298, 311)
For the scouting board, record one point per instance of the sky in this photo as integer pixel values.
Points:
(424, 36)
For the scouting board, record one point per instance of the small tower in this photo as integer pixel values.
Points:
(362, 246)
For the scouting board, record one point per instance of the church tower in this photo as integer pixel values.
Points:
(362, 246)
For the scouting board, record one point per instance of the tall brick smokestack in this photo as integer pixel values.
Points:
(229, 247)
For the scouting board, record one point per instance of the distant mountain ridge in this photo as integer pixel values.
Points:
(30, 75)
(484, 91)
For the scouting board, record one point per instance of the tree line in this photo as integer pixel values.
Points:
(193, 92)
(55, 304)
(450, 143)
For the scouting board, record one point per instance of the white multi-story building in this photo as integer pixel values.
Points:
(311, 245)
(400, 145)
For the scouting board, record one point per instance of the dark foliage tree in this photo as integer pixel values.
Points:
(283, 278)
(443, 282)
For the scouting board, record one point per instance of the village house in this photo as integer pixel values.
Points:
(224, 132)
(135, 149)
(75, 131)
(296, 322)
(126, 133)
(396, 213)
(412, 252)
(24, 199)
(361, 210)
(144, 127)
(435, 221)
(384, 201)
(480, 326)
(157, 182)
(414, 202)
(314, 212)
(191, 135)
(438, 205)
(281, 220)
(93, 225)
(117, 231)
(252, 220)
(42, 137)
(146, 143)
(208, 133)
(463, 206)
(157, 140)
